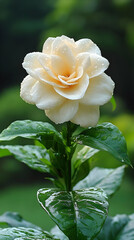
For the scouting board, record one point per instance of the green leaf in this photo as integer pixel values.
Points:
(112, 100)
(107, 179)
(43, 132)
(13, 219)
(81, 165)
(131, 216)
(120, 227)
(106, 137)
(55, 231)
(78, 131)
(127, 232)
(34, 156)
(79, 214)
(4, 153)
(3, 225)
(22, 233)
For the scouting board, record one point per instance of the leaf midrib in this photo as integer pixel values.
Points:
(75, 217)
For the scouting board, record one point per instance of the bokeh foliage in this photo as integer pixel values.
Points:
(26, 24)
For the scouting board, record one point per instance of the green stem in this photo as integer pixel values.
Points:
(68, 176)
(68, 160)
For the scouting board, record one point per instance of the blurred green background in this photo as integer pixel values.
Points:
(24, 26)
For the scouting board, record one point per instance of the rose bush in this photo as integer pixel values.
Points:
(67, 80)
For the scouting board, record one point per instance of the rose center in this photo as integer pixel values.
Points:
(67, 75)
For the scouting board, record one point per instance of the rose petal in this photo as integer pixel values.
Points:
(25, 91)
(83, 60)
(100, 90)
(86, 45)
(79, 73)
(86, 116)
(76, 91)
(64, 51)
(45, 97)
(59, 66)
(34, 62)
(45, 61)
(64, 81)
(44, 77)
(97, 66)
(68, 40)
(64, 112)
(31, 64)
(71, 43)
(47, 47)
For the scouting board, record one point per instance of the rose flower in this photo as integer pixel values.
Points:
(67, 80)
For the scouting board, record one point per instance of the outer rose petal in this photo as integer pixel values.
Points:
(25, 91)
(74, 92)
(45, 97)
(68, 40)
(86, 116)
(33, 62)
(47, 47)
(100, 90)
(86, 45)
(97, 65)
(64, 112)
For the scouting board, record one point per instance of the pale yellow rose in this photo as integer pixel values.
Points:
(67, 80)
